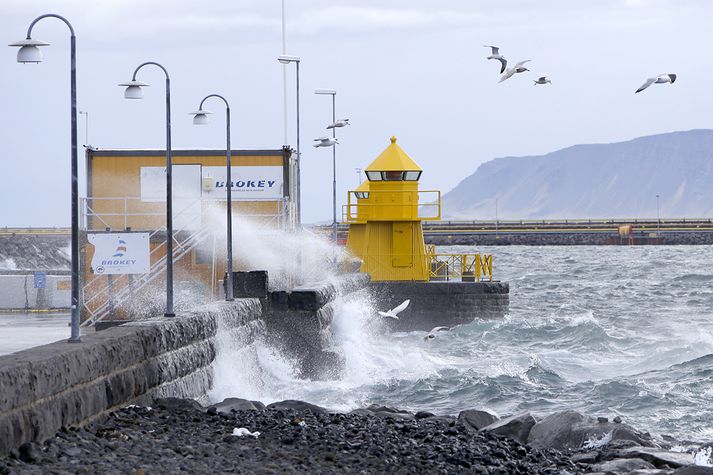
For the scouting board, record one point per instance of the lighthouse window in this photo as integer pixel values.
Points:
(393, 176)
(412, 176)
(373, 176)
(362, 195)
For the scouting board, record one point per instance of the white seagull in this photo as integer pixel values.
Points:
(325, 142)
(432, 334)
(664, 78)
(496, 55)
(543, 80)
(518, 68)
(339, 123)
(242, 432)
(394, 312)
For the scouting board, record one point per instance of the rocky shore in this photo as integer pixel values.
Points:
(180, 436)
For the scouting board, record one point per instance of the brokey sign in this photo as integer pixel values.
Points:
(249, 183)
(120, 253)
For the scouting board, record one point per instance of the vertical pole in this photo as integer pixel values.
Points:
(284, 74)
(74, 338)
(86, 128)
(110, 286)
(132, 303)
(169, 206)
(229, 207)
(334, 171)
(299, 157)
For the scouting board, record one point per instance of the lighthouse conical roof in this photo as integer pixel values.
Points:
(392, 159)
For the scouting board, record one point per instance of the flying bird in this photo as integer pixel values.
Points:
(664, 78)
(432, 334)
(543, 80)
(518, 68)
(339, 123)
(394, 312)
(325, 142)
(496, 55)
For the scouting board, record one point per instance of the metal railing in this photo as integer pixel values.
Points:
(466, 267)
(392, 205)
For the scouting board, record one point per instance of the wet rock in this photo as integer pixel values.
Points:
(423, 415)
(516, 427)
(617, 420)
(659, 458)
(226, 406)
(572, 430)
(29, 452)
(602, 420)
(295, 405)
(475, 420)
(622, 465)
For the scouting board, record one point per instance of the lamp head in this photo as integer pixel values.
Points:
(286, 59)
(200, 117)
(29, 51)
(133, 89)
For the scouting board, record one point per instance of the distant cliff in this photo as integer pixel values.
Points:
(594, 181)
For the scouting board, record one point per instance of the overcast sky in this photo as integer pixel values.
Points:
(412, 68)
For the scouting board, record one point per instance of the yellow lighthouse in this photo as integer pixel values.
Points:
(384, 215)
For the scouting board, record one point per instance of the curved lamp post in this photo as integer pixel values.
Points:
(134, 91)
(30, 53)
(200, 117)
(284, 59)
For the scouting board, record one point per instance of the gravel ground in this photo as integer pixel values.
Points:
(178, 436)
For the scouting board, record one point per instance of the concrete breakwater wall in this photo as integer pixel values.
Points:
(447, 303)
(61, 384)
(299, 322)
(559, 239)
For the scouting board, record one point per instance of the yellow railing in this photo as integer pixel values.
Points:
(466, 267)
(392, 205)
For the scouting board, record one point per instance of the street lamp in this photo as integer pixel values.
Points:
(333, 93)
(358, 172)
(134, 91)
(30, 53)
(200, 117)
(285, 59)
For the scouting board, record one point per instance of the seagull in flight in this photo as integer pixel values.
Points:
(339, 123)
(432, 334)
(543, 80)
(518, 68)
(394, 312)
(664, 78)
(496, 55)
(325, 142)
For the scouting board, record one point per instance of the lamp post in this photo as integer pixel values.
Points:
(358, 172)
(30, 53)
(333, 93)
(285, 59)
(200, 117)
(134, 91)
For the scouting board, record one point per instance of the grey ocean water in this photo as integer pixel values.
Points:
(604, 330)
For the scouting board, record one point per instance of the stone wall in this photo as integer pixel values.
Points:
(436, 304)
(61, 384)
(299, 323)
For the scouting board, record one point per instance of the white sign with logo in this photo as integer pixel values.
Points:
(249, 183)
(120, 253)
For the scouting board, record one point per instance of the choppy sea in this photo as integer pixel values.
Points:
(603, 330)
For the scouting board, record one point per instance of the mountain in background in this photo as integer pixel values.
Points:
(618, 180)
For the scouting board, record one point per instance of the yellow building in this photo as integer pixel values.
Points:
(385, 214)
(126, 193)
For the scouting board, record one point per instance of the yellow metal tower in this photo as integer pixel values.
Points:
(385, 214)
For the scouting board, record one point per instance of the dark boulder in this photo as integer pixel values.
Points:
(622, 466)
(694, 470)
(294, 405)
(516, 427)
(659, 458)
(572, 430)
(475, 419)
(230, 404)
